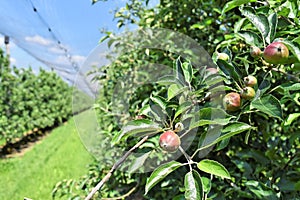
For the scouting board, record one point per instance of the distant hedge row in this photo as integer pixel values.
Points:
(30, 101)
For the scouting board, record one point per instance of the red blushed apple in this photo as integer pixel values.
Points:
(276, 53)
(169, 141)
(232, 101)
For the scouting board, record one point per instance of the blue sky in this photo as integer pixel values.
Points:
(76, 24)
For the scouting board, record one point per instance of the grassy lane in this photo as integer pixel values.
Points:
(58, 156)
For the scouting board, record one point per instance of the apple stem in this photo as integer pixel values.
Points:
(240, 88)
(188, 158)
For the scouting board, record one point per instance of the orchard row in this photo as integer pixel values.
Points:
(30, 102)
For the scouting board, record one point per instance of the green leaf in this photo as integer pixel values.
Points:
(238, 25)
(140, 127)
(260, 21)
(272, 18)
(193, 186)
(209, 115)
(261, 190)
(175, 90)
(161, 109)
(229, 70)
(145, 110)
(291, 8)
(223, 144)
(214, 168)
(233, 4)
(178, 69)
(282, 89)
(212, 80)
(197, 26)
(294, 87)
(262, 88)
(157, 112)
(169, 80)
(182, 108)
(220, 88)
(138, 162)
(230, 130)
(206, 183)
(187, 71)
(269, 105)
(160, 173)
(212, 113)
(291, 118)
(250, 37)
(204, 122)
(160, 101)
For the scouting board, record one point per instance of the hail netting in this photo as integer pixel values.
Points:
(34, 26)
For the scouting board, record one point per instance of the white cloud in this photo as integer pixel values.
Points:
(94, 63)
(38, 40)
(12, 60)
(76, 58)
(79, 58)
(56, 49)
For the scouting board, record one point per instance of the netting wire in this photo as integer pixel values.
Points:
(25, 24)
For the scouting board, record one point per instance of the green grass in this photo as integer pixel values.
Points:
(60, 155)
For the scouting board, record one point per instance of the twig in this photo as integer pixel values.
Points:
(287, 74)
(114, 167)
(188, 158)
(123, 196)
(289, 161)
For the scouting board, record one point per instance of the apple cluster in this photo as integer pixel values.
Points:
(232, 101)
(275, 53)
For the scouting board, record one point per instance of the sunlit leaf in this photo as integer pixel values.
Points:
(160, 173)
(260, 21)
(187, 71)
(229, 69)
(175, 90)
(233, 4)
(182, 108)
(214, 168)
(250, 37)
(193, 186)
(206, 183)
(140, 127)
(168, 80)
(204, 122)
(291, 118)
(273, 25)
(178, 70)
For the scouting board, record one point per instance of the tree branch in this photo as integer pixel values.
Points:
(114, 167)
